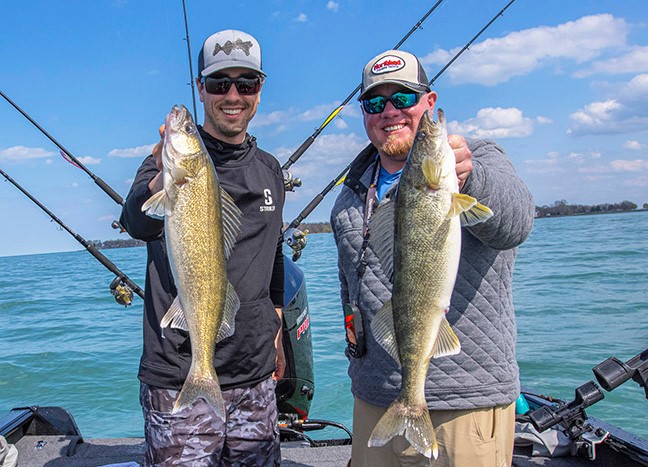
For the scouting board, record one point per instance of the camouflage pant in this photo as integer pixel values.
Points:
(195, 436)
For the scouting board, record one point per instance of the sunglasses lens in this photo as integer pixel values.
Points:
(217, 85)
(375, 105)
(247, 86)
(403, 100)
(400, 100)
(221, 86)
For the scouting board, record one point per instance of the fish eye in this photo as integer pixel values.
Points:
(189, 128)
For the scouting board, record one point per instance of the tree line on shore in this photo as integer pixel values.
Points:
(563, 208)
(313, 228)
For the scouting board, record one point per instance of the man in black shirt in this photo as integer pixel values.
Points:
(250, 362)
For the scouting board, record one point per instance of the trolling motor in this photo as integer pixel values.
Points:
(610, 374)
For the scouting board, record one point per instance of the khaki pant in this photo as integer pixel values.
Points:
(467, 438)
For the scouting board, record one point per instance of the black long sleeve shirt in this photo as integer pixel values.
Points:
(254, 179)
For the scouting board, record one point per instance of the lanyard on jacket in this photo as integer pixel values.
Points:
(369, 207)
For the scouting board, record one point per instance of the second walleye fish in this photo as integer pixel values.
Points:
(201, 222)
(417, 237)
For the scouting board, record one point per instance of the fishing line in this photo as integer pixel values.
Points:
(191, 75)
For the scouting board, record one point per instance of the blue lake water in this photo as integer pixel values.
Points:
(580, 290)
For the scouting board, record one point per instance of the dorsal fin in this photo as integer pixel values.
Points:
(381, 234)
(231, 219)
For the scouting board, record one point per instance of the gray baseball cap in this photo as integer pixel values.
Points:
(394, 66)
(229, 49)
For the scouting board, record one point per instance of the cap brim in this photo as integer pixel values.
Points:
(216, 67)
(406, 84)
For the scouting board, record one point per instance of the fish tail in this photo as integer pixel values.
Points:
(413, 422)
(205, 388)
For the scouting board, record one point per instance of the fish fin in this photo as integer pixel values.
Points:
(205, 388)
(476, 214)
(381, 235)
(432, 172)
(413, 422)
(231, 220)
(157, 206)
(179, 174)
(382, 328)
(175, 317)
(447, 342)
(232, 305)
(460, 203)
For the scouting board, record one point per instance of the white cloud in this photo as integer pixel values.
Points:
(139, 151)
(333, 6)
(560, 163)
(495, 61)
(637, 165)
(494, 123)
(634, 144)
(634, 60)
(20, 153)
(544, 120)
(89, 160)
(301, 18)
(640, 182)
(276, 118)
(625, 111)
(283, 119)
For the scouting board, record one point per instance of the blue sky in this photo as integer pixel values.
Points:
(561, 85)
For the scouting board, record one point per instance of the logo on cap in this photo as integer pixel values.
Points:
(387, 64)
(229, 46)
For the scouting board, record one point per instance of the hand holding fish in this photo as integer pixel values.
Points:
(463, 156)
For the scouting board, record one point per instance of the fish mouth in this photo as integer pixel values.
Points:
(176, 117)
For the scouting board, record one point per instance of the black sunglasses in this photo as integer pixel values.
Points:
(400, 100)
(219, 85)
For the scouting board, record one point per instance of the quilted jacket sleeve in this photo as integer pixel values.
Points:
(494, 183)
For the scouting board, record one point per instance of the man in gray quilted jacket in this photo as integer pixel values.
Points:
(471, 396)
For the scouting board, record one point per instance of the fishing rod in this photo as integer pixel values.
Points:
(311, 139)
(103, 185)
(295, 238)
(501, 13)
(191, 75)
(121, 287)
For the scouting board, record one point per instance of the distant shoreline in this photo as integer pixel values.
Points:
(589, 213)
(312, 228)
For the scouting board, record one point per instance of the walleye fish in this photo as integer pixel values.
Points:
(201, 222)
(417, 238)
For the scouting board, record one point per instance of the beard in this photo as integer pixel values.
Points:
(397, 148)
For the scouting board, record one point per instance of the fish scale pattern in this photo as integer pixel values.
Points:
(485, 372)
